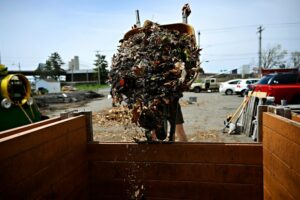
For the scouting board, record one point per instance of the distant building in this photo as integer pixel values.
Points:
(245, 69)
(74, 63)
(51, 85)
(234, 71)
(81, 76)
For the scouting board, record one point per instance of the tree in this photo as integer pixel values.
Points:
(295, 59)
(274, 57)
(41, 72)
(52, 68)
(101, 65)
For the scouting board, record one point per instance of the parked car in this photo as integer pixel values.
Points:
(228, 86)
(205, 85)
(282, 86)
(242, 86)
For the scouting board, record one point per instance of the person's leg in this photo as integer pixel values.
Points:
(180, 133)
(153, 135)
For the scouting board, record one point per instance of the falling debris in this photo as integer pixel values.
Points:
(115, 125)
(152, 68)
(117, 115)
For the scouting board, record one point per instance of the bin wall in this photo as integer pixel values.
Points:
(175, 171)
(281, 157)
(46, 161)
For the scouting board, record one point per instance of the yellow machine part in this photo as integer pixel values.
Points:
(6, 85)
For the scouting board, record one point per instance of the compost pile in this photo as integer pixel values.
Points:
(113, 117)
(152, 68)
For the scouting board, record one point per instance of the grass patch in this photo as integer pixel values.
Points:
(91, 86)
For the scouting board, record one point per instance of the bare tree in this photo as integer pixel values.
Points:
(274, 57)
(295, 59)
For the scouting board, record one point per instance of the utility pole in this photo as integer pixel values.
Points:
(138, 22)
(199, 48)
(260, 29)
(0, 57)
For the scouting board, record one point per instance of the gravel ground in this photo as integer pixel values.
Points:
(204, 119)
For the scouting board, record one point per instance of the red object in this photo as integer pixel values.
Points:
(122, 82)
(279, 70)
(281, 86)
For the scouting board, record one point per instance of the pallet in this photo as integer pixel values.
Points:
(251, 116)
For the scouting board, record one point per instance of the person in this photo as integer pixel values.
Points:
(179, 131)
(186, 11)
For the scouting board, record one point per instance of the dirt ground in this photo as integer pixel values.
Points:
(204, 119)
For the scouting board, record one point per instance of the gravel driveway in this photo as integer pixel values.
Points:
(204, 119)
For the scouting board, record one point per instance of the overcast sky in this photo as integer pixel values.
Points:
(30, 30)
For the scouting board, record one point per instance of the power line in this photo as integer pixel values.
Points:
(228, 28)
(250, 26)
(246, 58)
(288, 39)
(260, 30)
(221, 55)
(230, 42)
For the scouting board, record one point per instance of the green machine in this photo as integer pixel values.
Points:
(16, 104)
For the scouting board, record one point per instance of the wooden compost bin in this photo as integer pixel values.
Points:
(54, 160)
(281, 157)
(45, 162)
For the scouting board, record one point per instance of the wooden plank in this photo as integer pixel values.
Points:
(287, 151)
(296, 117)
(256, 133)
(177, 152)
(40, 157)
(261, 109)
(259, 94)
(17, 143)
(247, 110)
(267, 159)
(27, 127)
(176, 190)
(72, 184)
(217, 173)
(249, 115)
(283, 148)
(44, 180)
(31, 161)
(287, 177)
(267, 195)
(276, 190)
(285, 127)
(267, 138)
